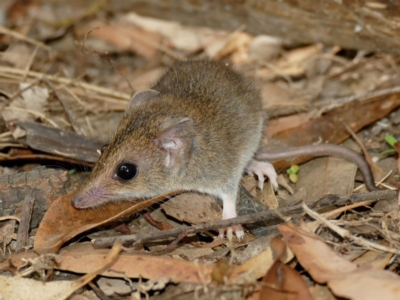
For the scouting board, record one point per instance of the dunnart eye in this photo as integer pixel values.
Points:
(126, 171)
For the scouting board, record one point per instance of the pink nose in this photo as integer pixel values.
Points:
(87, 199)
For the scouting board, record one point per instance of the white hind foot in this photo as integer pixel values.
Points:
(237, 229)
(262, 169)
(229, 212)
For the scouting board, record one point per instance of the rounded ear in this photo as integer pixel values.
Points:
(176, 138)
(143, 96)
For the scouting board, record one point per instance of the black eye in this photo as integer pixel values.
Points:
(126, 171)
(103, 148)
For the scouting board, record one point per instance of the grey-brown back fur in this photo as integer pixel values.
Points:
(227, 120)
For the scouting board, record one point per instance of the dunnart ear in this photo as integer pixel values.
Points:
(176, 138)
(142, 97)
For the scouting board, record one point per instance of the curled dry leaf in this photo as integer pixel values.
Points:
(346, 279)
(281, 281)
(62, 222)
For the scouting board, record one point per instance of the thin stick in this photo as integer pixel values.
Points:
(29, 64)
(347, 235)
(36, 113)
(270, 215)
(24, 38)
(68, 81)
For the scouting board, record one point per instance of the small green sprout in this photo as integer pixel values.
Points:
(391, 140)
(292, 172)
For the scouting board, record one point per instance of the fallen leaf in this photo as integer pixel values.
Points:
(281, 281)
(221, 271)
(18, 288)
(293, 63)
(180, 37)
(144, 43)
(114, 287)
(185, 207)
(62, 222)
(26, 107)
(346, 279)
(328, 175)
(264, 48)
(259, 264)
(330, 128)
(17, 55)
(374, 259)
(82, 258)
(283, 123)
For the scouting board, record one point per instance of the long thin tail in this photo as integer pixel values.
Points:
(322, 150)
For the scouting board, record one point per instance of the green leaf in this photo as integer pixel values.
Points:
(390, 139)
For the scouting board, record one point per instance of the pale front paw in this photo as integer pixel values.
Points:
(262, 169)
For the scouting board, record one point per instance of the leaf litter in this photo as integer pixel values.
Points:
(82, 79)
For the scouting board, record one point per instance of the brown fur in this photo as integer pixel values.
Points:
(227, 121)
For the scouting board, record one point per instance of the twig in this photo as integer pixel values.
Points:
(36, 113)
(270, 215)
(346, 208)
(347, 99)
(347, 235)
(23, 228)
(110, 62)
(68, 81)
(10, 218)
(29, 64)
(22, 37)
(5, 134)
(28, 87)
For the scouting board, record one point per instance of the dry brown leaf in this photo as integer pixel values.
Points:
(282, 282)
(259, 264)
(305, 244)
(286, 122)
(7, 230)
(330, 127)
(18, 55)
(28, 106)
(293, 63)
(374, 259)
(18, 288)
(130, 38)
(237, 45)
(326, 175)
(82, 258)
(346, 279)
(180, 37)
(267, 196)
(144, 79)
(62, 222)
(114, 287)
(264, 47)
(185, 207)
